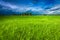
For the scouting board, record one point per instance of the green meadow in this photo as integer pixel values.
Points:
(29, 27)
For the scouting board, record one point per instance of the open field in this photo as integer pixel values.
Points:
(29, 27)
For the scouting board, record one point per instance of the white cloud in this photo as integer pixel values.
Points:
(54, 10)
(55, 7)
(8, 5)
(17, 8)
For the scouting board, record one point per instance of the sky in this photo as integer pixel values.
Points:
(34, 6)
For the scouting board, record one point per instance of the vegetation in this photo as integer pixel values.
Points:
(29, 27)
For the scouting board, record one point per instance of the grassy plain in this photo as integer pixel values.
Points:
(29, 27)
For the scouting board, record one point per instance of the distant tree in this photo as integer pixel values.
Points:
(26, 13)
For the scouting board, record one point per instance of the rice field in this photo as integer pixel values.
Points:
(29, 27)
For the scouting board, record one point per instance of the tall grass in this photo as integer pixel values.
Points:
(30, 28)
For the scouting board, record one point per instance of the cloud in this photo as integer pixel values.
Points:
(19, 8)
(16, 8)
(9, 6)
(54, 10)
(6, 4)
(57, 7)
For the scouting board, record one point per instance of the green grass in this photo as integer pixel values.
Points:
(29, 27)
